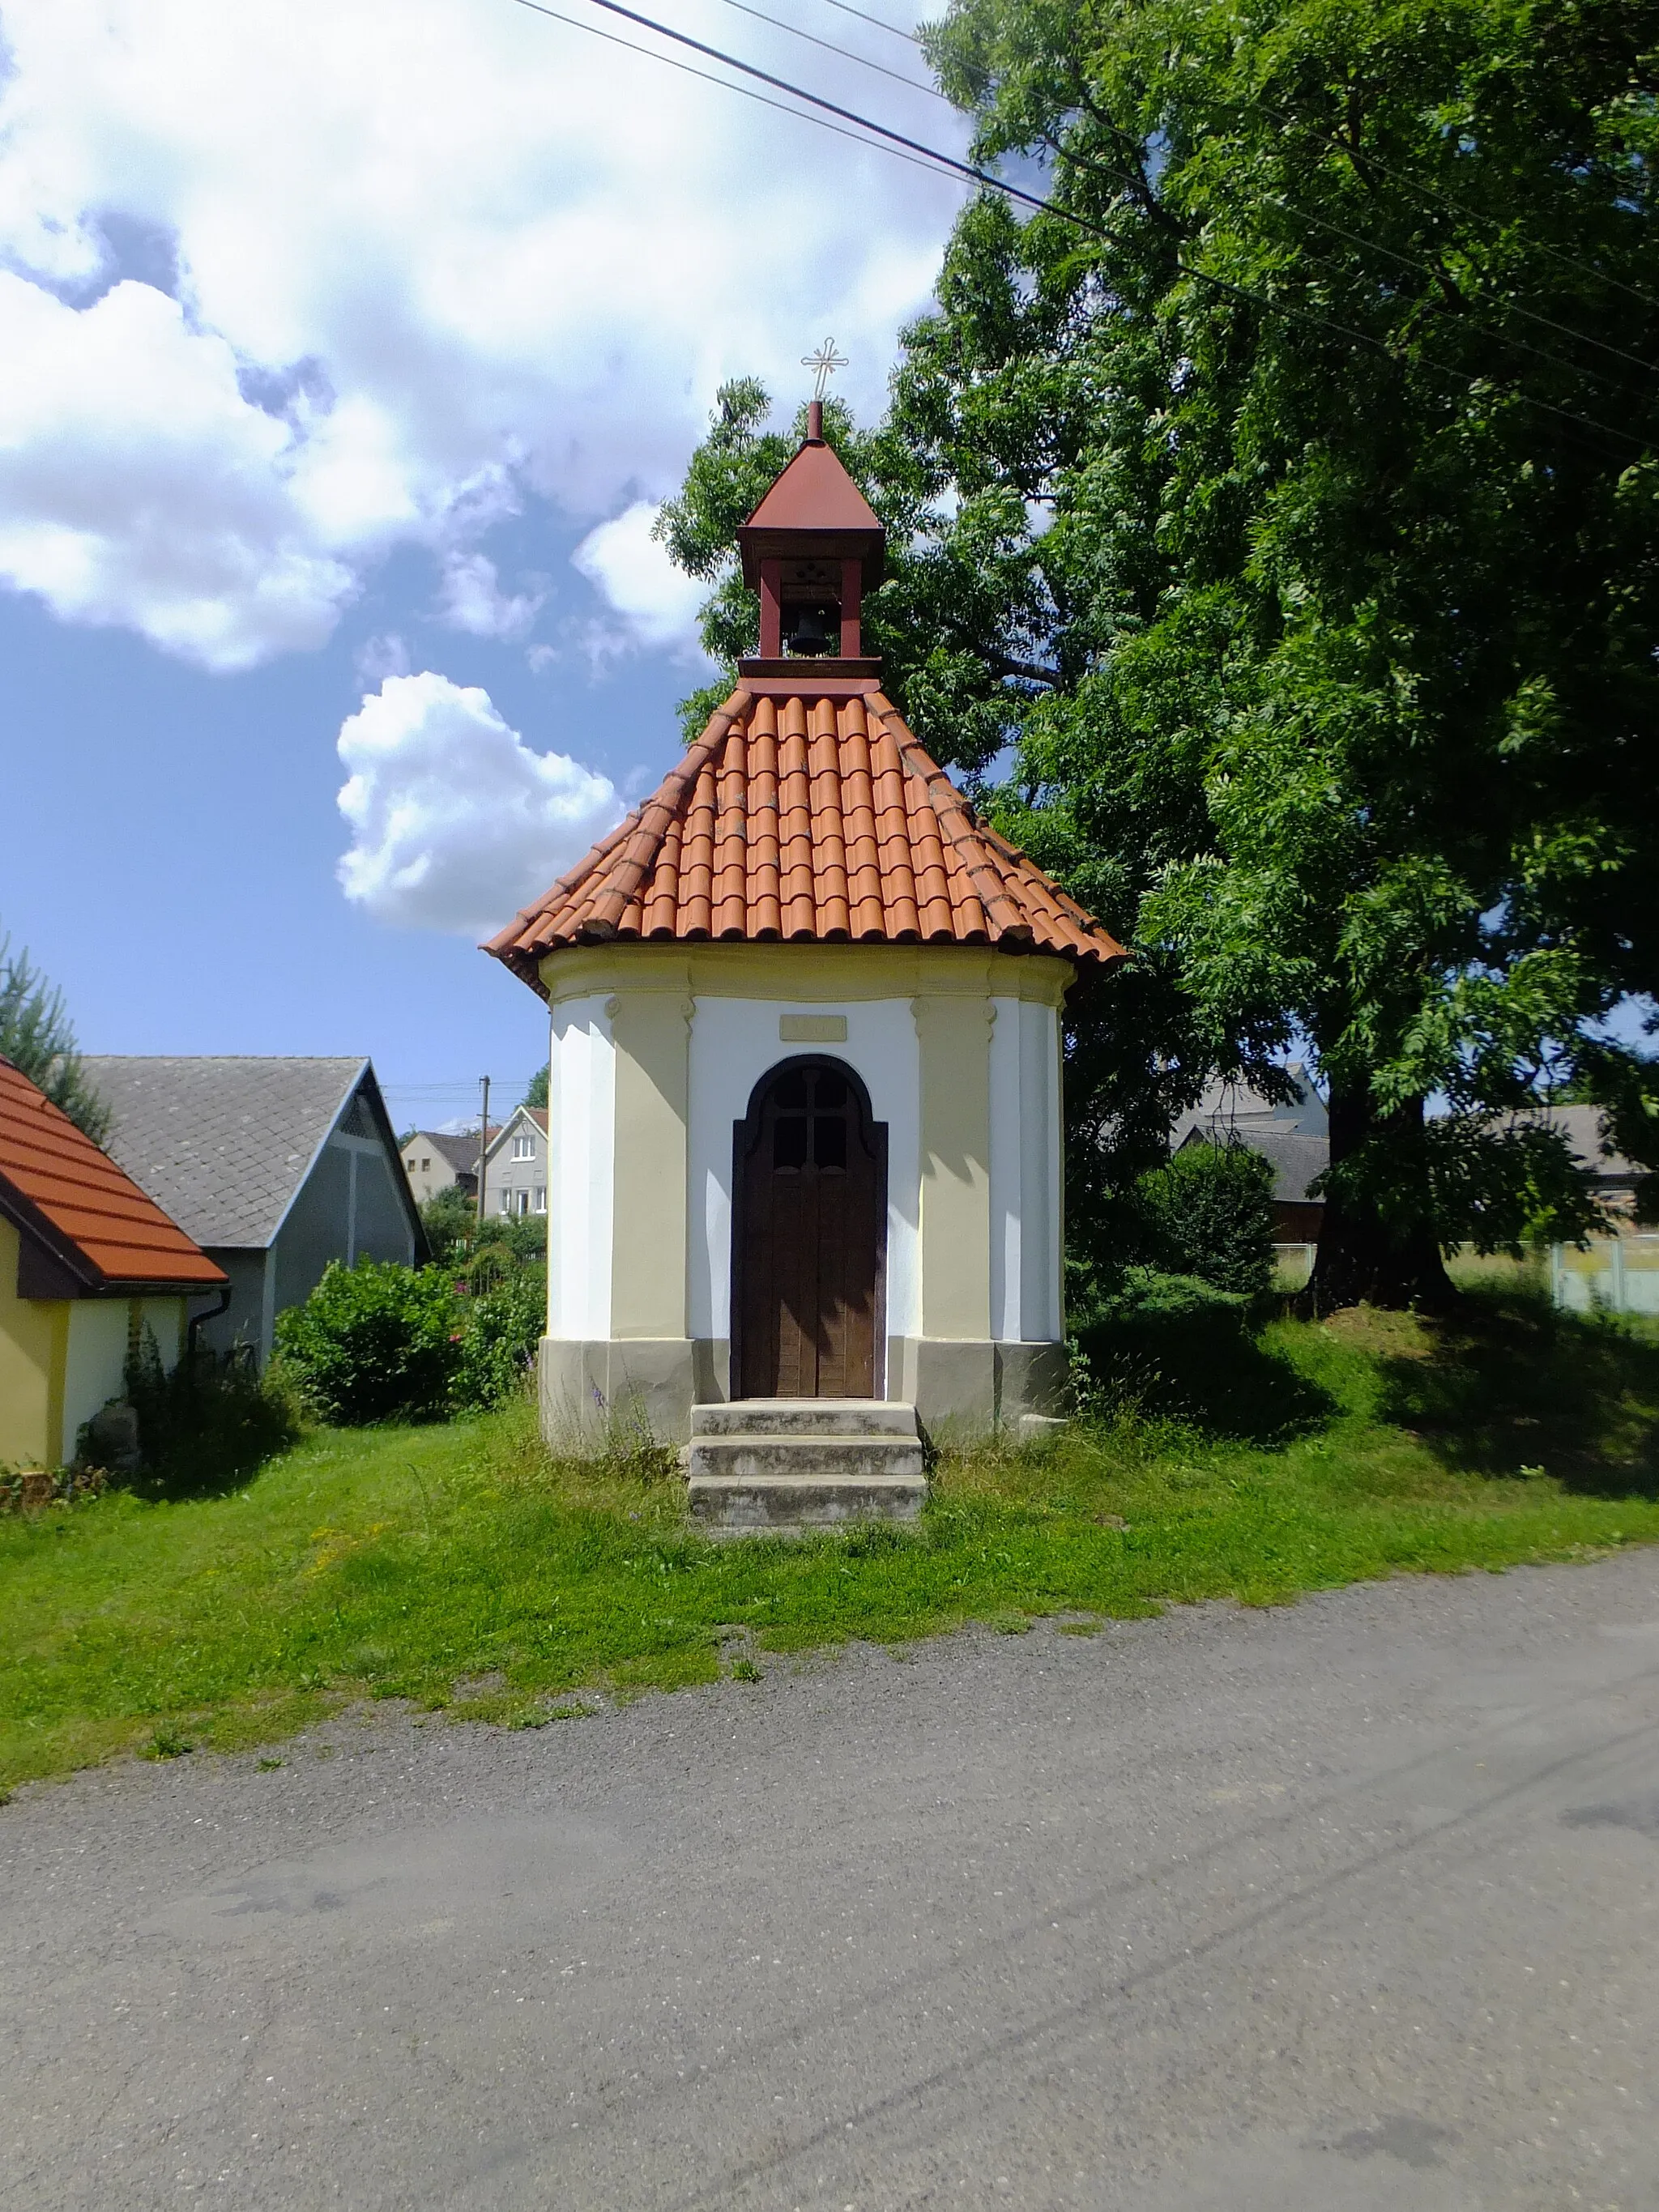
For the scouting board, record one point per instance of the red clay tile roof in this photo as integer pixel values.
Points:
(73, 1197)
(805, 820)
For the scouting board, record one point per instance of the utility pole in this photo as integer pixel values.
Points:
(483, 1144)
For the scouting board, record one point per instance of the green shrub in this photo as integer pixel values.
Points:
(499, 1337)
(1210, 1214)
(207, 1424)
(449, 1218)
(375, 1342)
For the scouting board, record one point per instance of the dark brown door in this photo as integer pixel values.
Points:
(808, 1234)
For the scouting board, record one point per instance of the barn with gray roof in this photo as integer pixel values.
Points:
(275, 1166)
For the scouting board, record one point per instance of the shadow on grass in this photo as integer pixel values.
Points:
(1506, 1383)
(1206, 1368)
(206, 1428)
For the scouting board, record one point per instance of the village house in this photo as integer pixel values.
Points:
(804, 1108)
(515, 1170)
(89, 1266)
(275, 1166)
(442, 1159)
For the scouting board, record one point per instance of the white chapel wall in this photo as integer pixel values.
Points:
(582, 1126)
(1025, 1160)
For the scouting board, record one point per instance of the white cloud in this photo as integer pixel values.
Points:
(456, 823)
(138, 487)
(452, 253)
(658, 603)
(471, 598)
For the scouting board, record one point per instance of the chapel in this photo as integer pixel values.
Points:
(804, 1107)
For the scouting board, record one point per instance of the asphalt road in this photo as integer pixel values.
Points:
(1354, 1904)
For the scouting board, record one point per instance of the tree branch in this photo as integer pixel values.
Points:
(1029, 670)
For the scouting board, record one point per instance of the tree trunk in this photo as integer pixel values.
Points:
(1364, 1255)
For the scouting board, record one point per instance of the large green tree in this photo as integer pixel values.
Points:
(1288, 496)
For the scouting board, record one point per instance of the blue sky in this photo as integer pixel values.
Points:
(347, 352)
(178, 876)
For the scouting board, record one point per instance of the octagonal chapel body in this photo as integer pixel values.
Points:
(803, 1112)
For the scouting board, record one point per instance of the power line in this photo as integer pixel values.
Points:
(828, 47)
(913, 146)
(921, 155)
(1461, 207)
(923, 159)
(1427, 360)
(1413, 261)
(892, 29)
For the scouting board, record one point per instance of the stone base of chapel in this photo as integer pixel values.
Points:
(620, 1389)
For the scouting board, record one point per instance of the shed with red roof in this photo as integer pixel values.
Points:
(88, 1264)
(804, 1123)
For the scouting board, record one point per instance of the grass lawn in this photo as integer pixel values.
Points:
(461, 1568)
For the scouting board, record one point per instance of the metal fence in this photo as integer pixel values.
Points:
(1615, 1275)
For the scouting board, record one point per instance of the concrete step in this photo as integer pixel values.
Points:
(777, 1464)
(787, 1459)
(780, 1504)
(804, 1417)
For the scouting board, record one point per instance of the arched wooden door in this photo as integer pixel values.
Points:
(808, 1238)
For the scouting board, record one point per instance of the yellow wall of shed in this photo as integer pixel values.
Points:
(33, 1351)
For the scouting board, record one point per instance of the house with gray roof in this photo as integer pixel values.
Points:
(1617, 1180)
(1292, 1133)
(275, 1167)
(443, 1159)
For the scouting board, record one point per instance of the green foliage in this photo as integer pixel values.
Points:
(36, 1036)
(1210, 1214)
(525, 1237)
(536, 1088)
(206, 1425)
(500, 1246)
(450, 1219)
(499, 1337)
(375, 1342)
(167, 1743)
(379, 1341)
(409, 1563)
(1291, 499)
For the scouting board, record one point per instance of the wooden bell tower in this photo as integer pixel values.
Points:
(812, 547)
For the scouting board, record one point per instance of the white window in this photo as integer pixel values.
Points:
(425, 1164)
(506, 1201)
(540, 1205)
(521, 1201)
(524, 1148)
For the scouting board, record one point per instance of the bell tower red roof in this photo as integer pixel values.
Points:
(814, 496)
(811, 549)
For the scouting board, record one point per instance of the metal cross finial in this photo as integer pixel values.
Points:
(826, 360)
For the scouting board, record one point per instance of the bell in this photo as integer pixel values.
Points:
(809, 636)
